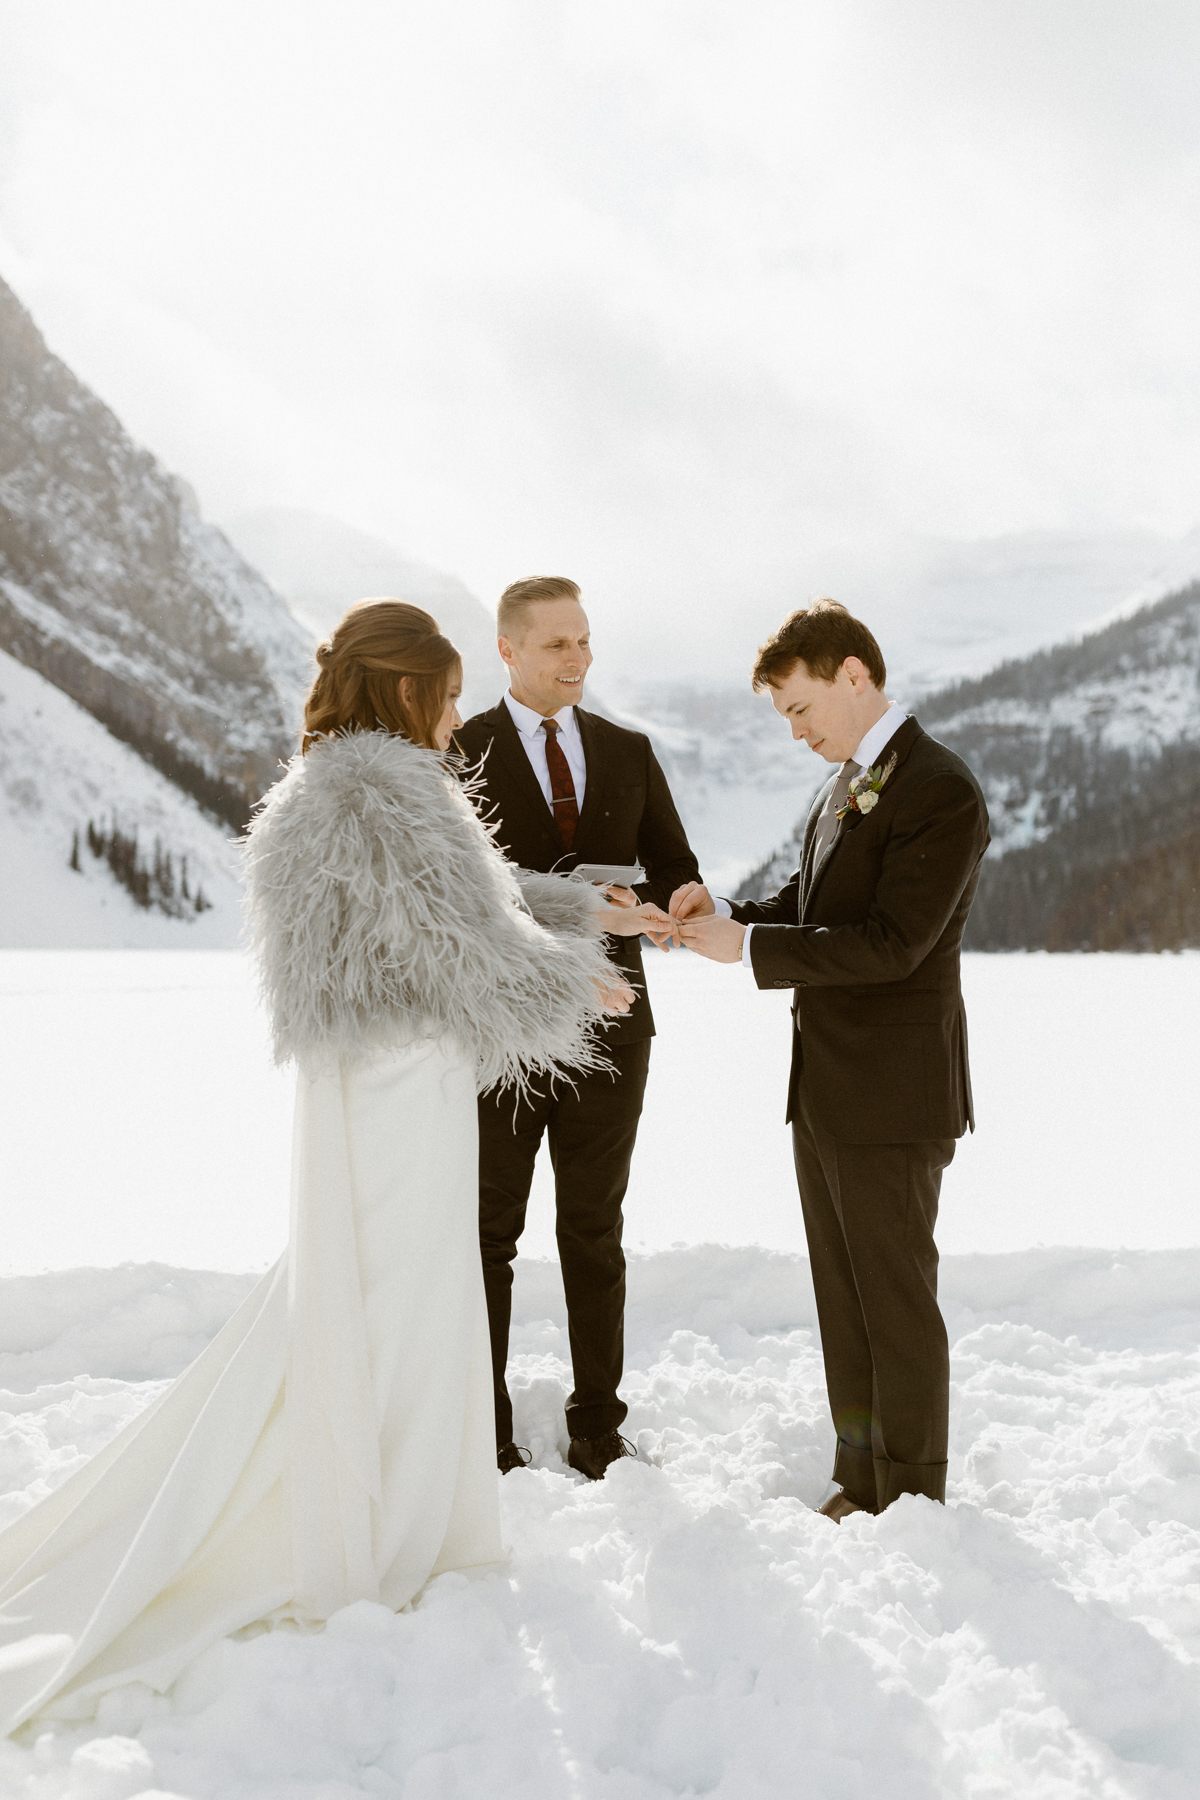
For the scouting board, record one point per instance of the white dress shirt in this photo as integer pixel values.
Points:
(870, 748)
(533, 741)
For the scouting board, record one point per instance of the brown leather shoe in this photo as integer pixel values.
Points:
(512, 1456)
(592, 1456)
(839, 1506)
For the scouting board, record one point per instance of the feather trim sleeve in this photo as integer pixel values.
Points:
(559, 903)
(381, 912)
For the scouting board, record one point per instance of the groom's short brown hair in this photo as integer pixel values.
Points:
(520, 596)
(821, 636)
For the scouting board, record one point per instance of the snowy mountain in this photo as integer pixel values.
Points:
(735, 773)
(151, 632)
(1087, 753)
(1178, 568)
(947, 610)
(944, 612)
(116, 590)
(322, 565)
(59, 769)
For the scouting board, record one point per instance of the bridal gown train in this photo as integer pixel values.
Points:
(334, 1442)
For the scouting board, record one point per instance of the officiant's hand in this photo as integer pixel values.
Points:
(691, 901)
(717, 938)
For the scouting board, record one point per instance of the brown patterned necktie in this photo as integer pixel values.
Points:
(562, 788)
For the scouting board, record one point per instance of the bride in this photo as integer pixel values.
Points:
(334, 1442)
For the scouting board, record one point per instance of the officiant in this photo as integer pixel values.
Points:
(562, 787)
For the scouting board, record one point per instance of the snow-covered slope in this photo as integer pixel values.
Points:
(1177, 568)
(321, 565)
(59, 769)
(949, 610)
(114, 588)
(1131, 689)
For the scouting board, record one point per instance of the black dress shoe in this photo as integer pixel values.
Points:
(839, 1506)
(591, 1456)
(512, 1456)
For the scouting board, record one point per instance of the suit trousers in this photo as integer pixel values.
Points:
(869, 1216)
(591, 1129)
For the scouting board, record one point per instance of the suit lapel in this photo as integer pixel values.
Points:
(510, 765)
(594, 773)
(899, 746)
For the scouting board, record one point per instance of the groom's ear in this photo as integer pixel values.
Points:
(504, 646)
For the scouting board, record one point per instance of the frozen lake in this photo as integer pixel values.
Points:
(144, 1121)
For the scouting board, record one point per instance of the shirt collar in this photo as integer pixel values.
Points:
(530, 722)
(876, 741)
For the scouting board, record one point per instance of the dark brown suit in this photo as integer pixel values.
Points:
(879, 1090)
(627, 816)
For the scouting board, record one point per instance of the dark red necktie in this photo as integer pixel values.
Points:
(562, 788)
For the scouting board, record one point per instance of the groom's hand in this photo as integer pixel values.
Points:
(658, 926)
(717, 938)
(691, 901)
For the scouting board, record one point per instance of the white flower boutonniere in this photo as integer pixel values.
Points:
(865, 789)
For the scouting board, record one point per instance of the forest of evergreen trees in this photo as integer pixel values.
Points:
(1122, 872)
(158, 882)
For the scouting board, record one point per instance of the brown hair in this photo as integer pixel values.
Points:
(361, 667)
(821, 636)
(520, 596)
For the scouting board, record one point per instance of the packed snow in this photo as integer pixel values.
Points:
(689, 1626)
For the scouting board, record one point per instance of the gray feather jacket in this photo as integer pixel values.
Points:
(381, 914)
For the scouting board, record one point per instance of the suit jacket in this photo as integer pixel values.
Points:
(627, 816)
(870, 945)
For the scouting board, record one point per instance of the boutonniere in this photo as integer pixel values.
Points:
(866, 787)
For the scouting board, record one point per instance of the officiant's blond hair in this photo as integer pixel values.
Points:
(520, 597)
(361, 666)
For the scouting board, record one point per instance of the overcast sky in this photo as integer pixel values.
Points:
(713, 306)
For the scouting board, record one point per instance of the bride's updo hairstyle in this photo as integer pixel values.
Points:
(362, 665)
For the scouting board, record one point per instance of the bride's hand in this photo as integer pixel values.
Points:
(659, 926)
(629, 918)
(620, 912)
(616, 995)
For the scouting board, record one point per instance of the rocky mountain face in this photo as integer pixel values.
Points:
(115, 590)
(1087, 753)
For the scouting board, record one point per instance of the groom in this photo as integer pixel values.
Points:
(563, 786)
(866, 934)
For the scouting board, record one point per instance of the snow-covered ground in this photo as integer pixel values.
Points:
(144, 1122)
(690, 1626)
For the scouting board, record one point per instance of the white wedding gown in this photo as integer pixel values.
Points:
(334, 1442)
